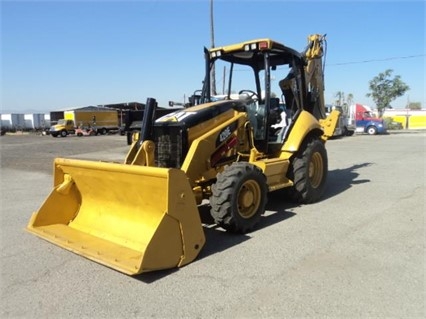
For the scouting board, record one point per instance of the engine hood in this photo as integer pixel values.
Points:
(195, 115)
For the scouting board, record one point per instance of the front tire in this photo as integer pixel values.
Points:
(308, 171)
(371, 130)
(239, 197)
(64, 133)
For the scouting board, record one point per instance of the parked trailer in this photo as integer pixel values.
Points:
(12, 121)
(47, 120)
(34, 121)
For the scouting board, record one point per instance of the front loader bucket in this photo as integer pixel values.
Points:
(131, 218)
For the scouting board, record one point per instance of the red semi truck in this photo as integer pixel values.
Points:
(365, 121)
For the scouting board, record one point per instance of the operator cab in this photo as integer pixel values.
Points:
(267, 76)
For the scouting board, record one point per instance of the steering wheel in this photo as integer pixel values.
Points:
(250, 94)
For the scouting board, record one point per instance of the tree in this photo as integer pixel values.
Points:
(384, 89)
(343, 101)
(350, 99)
(415, 106)
(340, 97)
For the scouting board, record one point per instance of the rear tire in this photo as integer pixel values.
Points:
(239, 197)
(350, 132)
(308, 171)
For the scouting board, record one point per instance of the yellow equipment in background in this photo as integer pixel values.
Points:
(142, 215)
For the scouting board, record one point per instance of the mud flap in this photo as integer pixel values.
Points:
(131, 218)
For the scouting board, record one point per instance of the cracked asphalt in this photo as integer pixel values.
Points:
(358, 253)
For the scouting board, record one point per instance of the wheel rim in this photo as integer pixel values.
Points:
(248, 199)
(316, 170)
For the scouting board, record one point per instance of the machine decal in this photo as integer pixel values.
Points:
(225, 133)
(177, 116)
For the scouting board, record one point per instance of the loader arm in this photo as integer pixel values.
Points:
(329, 124)
(314, 73)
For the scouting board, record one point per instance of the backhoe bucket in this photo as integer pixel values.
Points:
(131, 218)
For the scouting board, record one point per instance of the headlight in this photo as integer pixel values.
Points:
(250, 47)
(215, 54)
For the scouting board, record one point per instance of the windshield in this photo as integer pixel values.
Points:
(243, 78)
(261, 91)
(61, 122)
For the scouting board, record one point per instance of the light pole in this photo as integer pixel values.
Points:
(213, 71)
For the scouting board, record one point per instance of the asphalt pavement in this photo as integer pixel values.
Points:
(358, 253)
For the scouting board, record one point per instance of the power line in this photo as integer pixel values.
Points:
(379, 60)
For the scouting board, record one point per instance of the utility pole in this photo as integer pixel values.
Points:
(223, 79)
(213, 71)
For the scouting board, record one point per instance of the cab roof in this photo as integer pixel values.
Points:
(252, 53)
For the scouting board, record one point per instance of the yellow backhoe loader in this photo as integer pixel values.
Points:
(228, 149)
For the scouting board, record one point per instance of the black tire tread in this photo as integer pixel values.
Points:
(302, 192)
(222, 199)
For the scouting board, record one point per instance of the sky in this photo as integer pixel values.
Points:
(61, 54)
